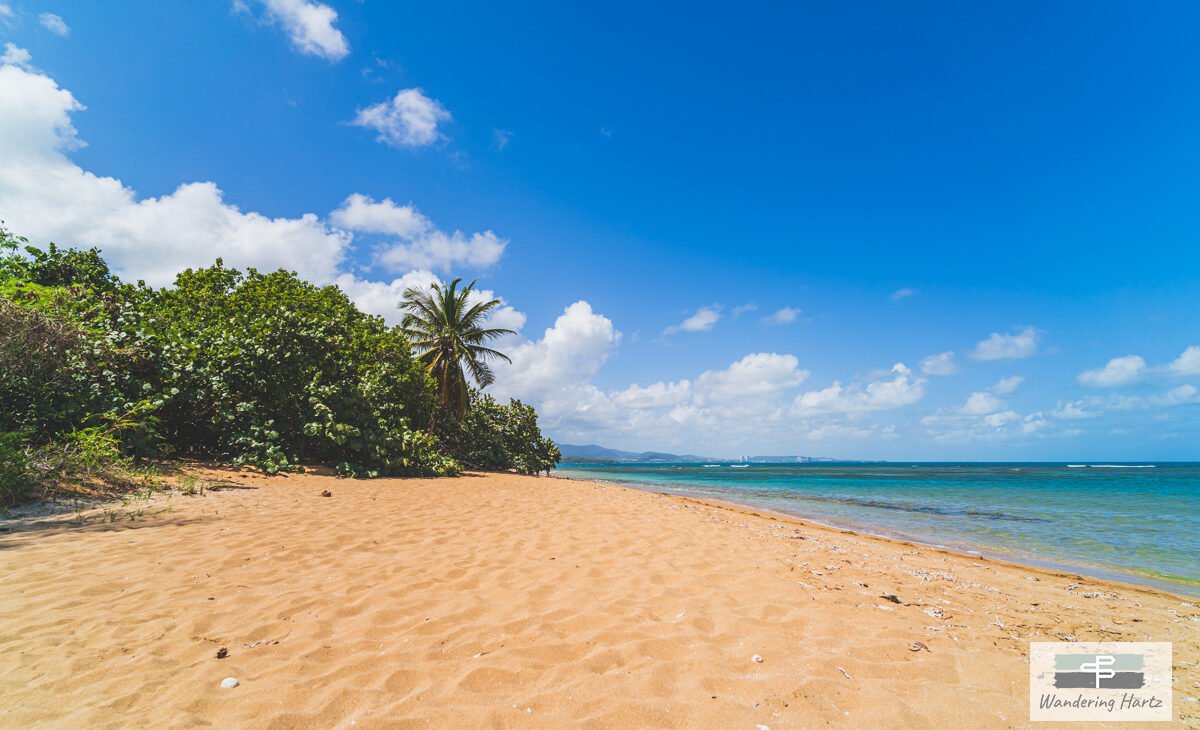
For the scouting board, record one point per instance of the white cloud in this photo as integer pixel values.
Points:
(501, 137)
(410, 119)
(1188, 362)
(754, 376)
(754, 382)
(55, 24)
(15, 56)
(900, 391)
(655, 395)
(902, 294)
(744, 309)
(1034, 422)
(1005, 386)
(1183, 395)
(443, 250)
(1118, 371)
(1073, 410)
(360, 213)
(45, 196)
(309, 25)
(984, 419)
(718, 411)
(554, 372)
(1008, 347)
(414, 242)
(939, 364)
(1094, 406)
(981, 403)
(383, 298)
(786, 315)
(5, 10)
(1000, 420)
(702, 321)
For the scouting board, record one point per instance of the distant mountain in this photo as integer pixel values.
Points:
(592, 452)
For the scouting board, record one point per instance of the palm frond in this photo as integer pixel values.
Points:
(448, 333)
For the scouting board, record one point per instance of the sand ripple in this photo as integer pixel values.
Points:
(505, 601)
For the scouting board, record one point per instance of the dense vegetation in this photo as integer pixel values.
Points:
(252, 368)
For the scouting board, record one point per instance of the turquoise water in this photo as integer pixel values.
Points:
(1137, 523)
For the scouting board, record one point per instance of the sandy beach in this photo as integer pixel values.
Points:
(507, 601)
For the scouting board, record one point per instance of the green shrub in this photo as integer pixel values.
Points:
(16, 478)
(495, 436)
(269, 370)
(261, 369)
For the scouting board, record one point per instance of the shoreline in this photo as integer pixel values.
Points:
(505, 600)
(1048, 568)
(1112, 573)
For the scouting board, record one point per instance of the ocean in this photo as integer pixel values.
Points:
(1138, 522)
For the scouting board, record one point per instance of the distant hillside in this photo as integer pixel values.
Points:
(592, 452)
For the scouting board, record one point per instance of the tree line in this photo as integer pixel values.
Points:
(264, 369)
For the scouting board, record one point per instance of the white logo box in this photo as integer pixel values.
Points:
(1098, 681)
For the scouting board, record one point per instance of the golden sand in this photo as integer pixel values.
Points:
(506, 601)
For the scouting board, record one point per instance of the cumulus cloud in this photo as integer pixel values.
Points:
(46, 196)
(1005, 386)
(310, 26)
(748, 402)
(413, 240)
(55, 24)
(984, 402)
(1073, 410)
(983, 418)
(15, 56)
(751, 384)
(444, 250)
(1188, 362)
(554, 372)
(1094, 406)
(383, 297)
(360, 213)
(1183, 395)
(939, 364)
(902, 294)
(754, 376)
(899, 391)
(786, 315)
(1008, 347)
(656, 395)
(702, 321)
(410, 119)
(981, 403)
(6, 11)
(1118, 371)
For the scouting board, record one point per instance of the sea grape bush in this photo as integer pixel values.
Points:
(493, 435)
(270, 370)
(255, 368)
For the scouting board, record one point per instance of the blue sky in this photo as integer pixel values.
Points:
(727, 230)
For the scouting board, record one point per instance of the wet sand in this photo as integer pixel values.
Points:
(507, 601)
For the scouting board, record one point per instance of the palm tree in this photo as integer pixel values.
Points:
(449, 336)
